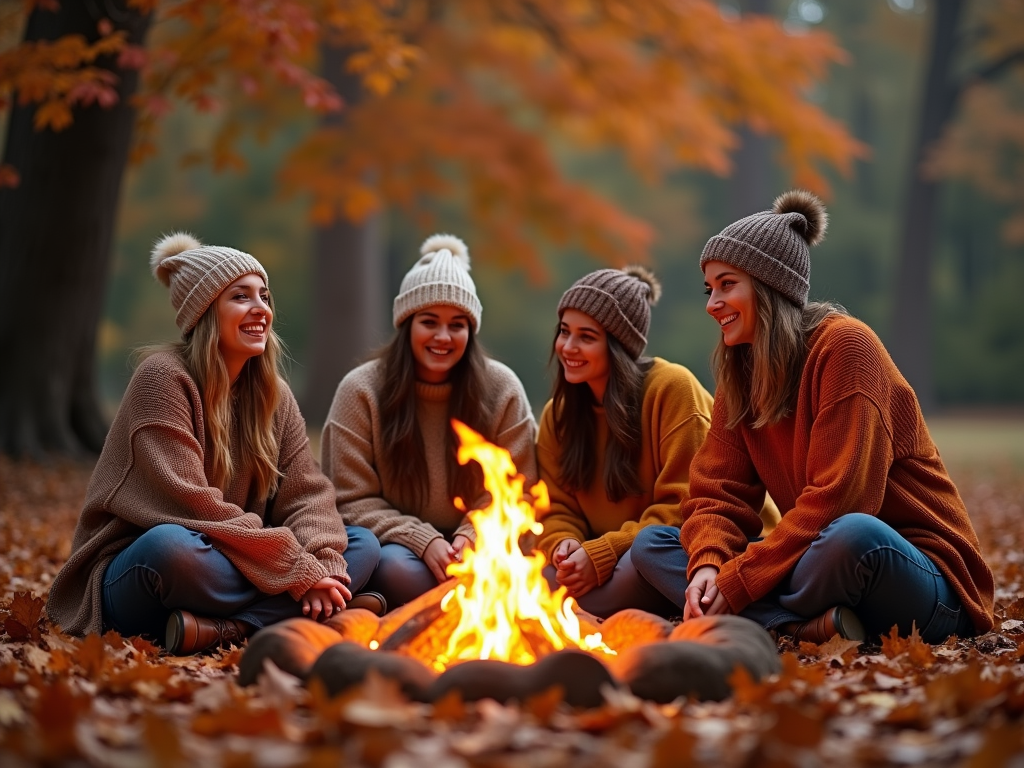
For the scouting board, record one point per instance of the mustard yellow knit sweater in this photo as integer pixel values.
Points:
(676, 414)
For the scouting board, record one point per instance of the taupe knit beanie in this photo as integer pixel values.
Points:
(620, 300)
(774, 246)
(197, 273)
(441, 276)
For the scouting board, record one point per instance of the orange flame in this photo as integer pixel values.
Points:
(507, 611)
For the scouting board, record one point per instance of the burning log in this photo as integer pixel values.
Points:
(346, 664)
(698, 659)
(579, 674)
(294, 645)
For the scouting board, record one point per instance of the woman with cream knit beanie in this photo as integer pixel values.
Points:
(207, 517)
(388, 445)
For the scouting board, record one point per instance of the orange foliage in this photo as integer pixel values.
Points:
(469, 99)
(986, 148)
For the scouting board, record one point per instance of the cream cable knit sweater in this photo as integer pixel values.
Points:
(151, 471)
(351, 454)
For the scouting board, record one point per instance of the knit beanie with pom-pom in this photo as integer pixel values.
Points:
(620, 300)
(441, 276)
(774, 246)
(197, 273)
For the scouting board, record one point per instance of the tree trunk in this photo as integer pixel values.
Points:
(911, 333)
(56, 230)
(348, 281)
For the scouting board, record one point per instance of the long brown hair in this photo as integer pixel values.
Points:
(576, 424)
(251, 401)
(759, 381)
(471, 401)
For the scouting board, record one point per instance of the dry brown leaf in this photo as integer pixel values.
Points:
(673, 749)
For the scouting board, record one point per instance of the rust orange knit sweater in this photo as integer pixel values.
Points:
(153, 470)
(855, 442)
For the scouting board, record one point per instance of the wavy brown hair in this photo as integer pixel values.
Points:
(470, 402)
(251, 401)
(576, 425)
(759, 381)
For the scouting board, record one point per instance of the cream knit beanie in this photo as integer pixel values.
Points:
(197, 273)
(441, 276)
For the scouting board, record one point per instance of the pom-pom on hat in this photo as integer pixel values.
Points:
(620, 300)
(197, 273)
(441, 276)
(774, 246)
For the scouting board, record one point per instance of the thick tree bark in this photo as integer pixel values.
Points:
(911, 333)
(56, 230)
(348, 282)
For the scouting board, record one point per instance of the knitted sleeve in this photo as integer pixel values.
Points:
(847, 465)
(166, 471)
(564, 518)
(514, 429)
(676, 411)
(671, 489)
(304, 502)
(725, 489)
(348, 458)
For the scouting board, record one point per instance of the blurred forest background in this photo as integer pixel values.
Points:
(975, 280)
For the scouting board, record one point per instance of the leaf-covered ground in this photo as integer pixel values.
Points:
(113, 701)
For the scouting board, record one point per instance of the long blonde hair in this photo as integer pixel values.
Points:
(252, 401)
(759, 381)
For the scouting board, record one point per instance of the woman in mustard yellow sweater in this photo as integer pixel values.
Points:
(811, 409)
(615, 441)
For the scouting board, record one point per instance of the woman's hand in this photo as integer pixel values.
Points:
(324, 598)
(702, 596)
(565, 548)
(438, 555)
(577, 572)
(459, 543)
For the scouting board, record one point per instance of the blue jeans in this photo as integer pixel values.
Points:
(857, 561)
(170, 567)
(401, 576)
(626, 588)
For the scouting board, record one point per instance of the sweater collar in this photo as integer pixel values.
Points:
(433, 392)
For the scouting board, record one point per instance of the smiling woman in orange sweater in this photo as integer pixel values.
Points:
(811, 409)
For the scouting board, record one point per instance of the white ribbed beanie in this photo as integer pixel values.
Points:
(197, 273)
(441, 276)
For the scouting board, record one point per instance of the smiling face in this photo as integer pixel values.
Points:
(731, 302)
(582, 349)
(244, 315)
(438, 337)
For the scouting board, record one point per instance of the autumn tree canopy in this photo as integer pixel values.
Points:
(466, 101)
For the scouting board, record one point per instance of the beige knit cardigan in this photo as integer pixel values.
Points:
(153, 470)
(352, 456)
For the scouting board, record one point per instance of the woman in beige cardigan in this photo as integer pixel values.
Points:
(207, 517)
(388, 444)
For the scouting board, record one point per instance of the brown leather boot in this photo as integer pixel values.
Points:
(840, 621)
(373, 602)
(188, 633)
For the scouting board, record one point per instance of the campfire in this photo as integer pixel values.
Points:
(495, 630)
(498, 604)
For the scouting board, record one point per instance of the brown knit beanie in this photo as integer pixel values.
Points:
(441, 276)
(774, 246)
(197, 273)
(620, 300)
